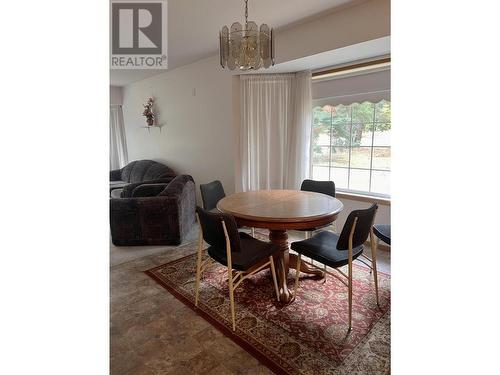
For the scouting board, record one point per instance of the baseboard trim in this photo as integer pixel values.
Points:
(381, 246)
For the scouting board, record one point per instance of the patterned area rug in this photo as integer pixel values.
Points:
(308, 336)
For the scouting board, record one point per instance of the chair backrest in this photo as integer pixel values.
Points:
(362, 230)
(211, 194)
(213, 232)
(324, 187)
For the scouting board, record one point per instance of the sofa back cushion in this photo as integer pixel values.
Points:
(145, 170)
(157, 171)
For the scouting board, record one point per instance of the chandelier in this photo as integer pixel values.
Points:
(246, 47)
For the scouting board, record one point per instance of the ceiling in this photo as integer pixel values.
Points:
(193, 27)
(376, 48)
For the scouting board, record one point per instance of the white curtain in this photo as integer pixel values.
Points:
(118, 145)
(275, 132)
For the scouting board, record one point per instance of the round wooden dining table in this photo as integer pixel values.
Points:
(279, 211)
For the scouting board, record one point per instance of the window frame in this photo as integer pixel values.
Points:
(372, 146)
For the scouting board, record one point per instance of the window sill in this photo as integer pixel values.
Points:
(363, 198)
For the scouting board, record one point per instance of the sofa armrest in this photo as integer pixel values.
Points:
(138, 215)
(177, 185)
(129, 189)
(137, 209)
(148, 190)
(154, 220)
(146, 203)
(183, 189)
(115, 175)
(187, 208)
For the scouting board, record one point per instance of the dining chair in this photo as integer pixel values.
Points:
(323, 187)
(382, 232)
(242, 254)
(337, 251)
(211, 194)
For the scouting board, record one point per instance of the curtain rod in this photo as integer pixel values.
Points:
(365, 64)
(347, 95)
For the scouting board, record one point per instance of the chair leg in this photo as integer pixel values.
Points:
(350, 294)
(253, 231)
(374, 263)
(275, 280)
(349, 276)
(198, 270)
(297, 273)
(308, 235)
(231, 299)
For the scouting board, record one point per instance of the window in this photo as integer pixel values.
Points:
(351, 146)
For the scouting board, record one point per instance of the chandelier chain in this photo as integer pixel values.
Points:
(246, 12)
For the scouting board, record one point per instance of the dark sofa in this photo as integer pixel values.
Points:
(139, 172)
(154, 214)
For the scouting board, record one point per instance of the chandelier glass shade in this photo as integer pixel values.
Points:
(246, 47)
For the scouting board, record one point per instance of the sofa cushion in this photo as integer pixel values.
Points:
(148, 190)
(158, 171)
(126, 170)
(142, 170)
(139, 170)
(129, 188)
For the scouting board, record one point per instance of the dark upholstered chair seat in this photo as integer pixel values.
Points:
(323, 248)
(252, 252)
(383, 231)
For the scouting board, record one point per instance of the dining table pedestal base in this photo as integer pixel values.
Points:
(284, 261)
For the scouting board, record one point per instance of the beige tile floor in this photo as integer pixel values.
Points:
(154, 333)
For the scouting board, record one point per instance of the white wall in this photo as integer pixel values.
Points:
(200, 131)
(195, 108)
(383, 213)
(355, 24)
(115, 95)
